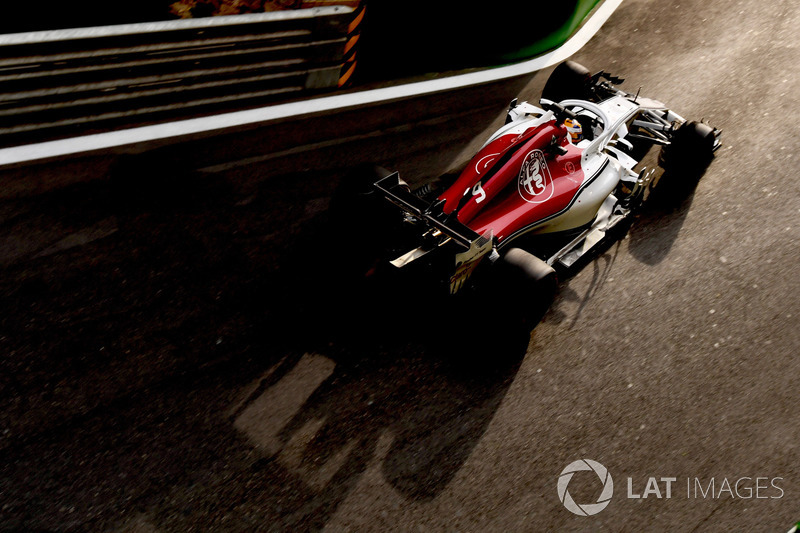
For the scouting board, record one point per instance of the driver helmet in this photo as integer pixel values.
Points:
(575, 130)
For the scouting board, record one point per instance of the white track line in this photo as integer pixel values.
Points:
(205, 125)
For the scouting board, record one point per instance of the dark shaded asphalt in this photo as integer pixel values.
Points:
(174, 358)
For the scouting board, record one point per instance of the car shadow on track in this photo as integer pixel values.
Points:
(601, 263)
(649, 238)
(658, 225)
(167, 379)
(401, 363)
(363, 392)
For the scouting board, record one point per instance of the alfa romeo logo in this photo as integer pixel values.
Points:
(585, 509)
(534, 182)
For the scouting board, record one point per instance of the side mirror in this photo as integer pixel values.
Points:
(511, 106)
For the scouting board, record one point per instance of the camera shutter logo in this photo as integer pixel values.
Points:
(585, 509)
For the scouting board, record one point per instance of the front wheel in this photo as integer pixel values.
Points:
(691, 148)
(685, 160)
(569, 80)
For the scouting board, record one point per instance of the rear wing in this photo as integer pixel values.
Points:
(432, 214)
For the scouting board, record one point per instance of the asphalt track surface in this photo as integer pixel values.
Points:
(177, 358)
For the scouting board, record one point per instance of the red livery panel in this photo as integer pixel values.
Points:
(516, 181)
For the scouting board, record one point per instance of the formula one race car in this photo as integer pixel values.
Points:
(544, 190)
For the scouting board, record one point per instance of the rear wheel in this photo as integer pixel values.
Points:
(523, 288)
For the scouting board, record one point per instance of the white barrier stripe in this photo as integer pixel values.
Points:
(205, 23)
(183, 128)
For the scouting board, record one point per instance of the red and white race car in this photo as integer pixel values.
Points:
(544, 190)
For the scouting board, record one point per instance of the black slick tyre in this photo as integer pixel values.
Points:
(524, 287)
(684, 161)
(691, 148)
(569, 80)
